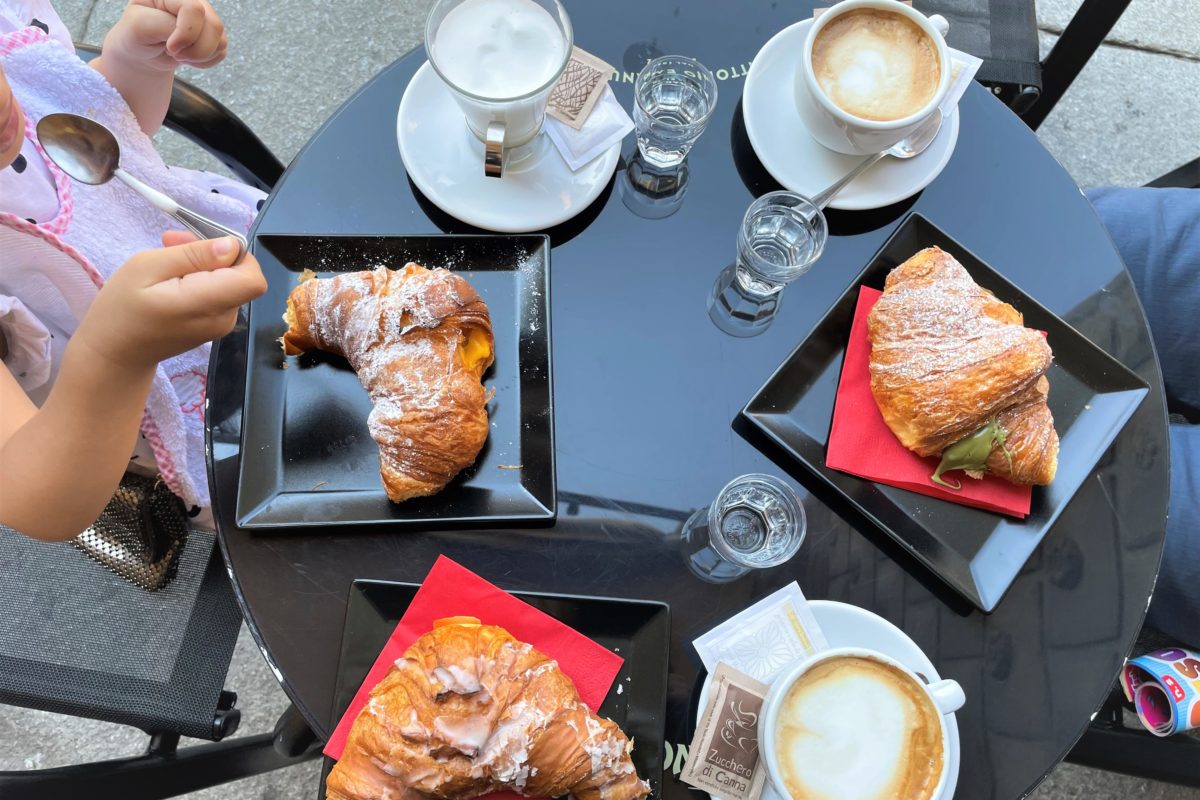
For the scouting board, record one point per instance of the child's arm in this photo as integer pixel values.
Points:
(151, 39)
(60, 464)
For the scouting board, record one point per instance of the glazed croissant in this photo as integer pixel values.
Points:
(420, 340)
(955, 372)
(470, 710)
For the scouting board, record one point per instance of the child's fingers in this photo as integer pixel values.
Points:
(175, 238)
(149, 27)
(207, 46)
(216, 57)
(190, 25)
(156, 266)
(223, 289)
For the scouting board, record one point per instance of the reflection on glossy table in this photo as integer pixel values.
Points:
(646, 391)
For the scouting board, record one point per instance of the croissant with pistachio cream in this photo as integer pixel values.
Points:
(420, 341)
(956, 373)
(471, 710)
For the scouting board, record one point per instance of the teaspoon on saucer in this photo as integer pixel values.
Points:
(913, 145)
(89, 153)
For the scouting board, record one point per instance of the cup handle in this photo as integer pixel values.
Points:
(947, 695)
(940, 24)
(493, 150)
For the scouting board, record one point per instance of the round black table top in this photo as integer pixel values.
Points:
(646, 388)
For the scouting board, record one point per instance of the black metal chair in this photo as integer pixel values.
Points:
(1116, 741)
(75, 639)
(206, 123)
(1004, 34)
(1185, 177)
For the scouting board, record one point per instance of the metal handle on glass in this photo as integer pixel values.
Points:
(198, 224)
(821, 200)
(493, 150)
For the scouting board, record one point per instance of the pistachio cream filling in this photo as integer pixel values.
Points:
(972, 453)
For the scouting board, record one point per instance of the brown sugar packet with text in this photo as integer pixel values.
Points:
(583, 81)
(723, 758)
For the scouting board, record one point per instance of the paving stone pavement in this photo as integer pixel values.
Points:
(1130, 117)
(1132, 113)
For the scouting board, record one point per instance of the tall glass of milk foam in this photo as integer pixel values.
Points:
(500, 59)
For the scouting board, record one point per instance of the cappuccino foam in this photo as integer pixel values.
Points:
(876, 65)
(499, 48)
(852, 728)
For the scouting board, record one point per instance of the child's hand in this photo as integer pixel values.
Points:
(163, 34)
(164, 302)
(151, 39)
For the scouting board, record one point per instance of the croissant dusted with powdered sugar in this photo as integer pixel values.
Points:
(956, 373)
(420, 340)
(470, 710)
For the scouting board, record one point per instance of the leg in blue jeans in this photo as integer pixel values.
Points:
(1158, 234)
(1176, 607)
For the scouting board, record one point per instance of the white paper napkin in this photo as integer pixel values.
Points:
(605, 126)
(963, 67)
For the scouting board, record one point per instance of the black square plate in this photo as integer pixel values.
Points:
(638, 630)
(977, 552)
(307, 458)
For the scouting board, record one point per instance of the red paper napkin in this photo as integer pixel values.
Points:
(862, 444)
(450, 590)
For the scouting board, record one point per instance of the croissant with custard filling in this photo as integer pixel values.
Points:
(956, 373)
(471, 710)
(420, 341)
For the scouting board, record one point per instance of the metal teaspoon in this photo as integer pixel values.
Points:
(913, 145)
(89, 153)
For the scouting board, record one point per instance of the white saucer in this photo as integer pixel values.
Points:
(850, 626)
(785, 147)
(445, 161)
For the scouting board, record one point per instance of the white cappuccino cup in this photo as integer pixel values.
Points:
(872, 56)
(856, 724)
(500, 59)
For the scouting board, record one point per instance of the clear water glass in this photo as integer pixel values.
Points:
(782, 235)
(757, 521)
(674, 97)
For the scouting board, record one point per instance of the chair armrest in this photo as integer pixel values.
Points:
(1185, 177)
(1075, 46)
(198, 117)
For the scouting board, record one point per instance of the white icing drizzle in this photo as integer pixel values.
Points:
(497, 740)
(413, 729)
(467, 735)
(604, 750)
(507, 750)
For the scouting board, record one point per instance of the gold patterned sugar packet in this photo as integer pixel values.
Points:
(723, 759)
(580, 86)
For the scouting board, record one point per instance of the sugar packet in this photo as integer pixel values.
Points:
(723, 758)
(766, 638)
(606, 125)
(579, 88)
